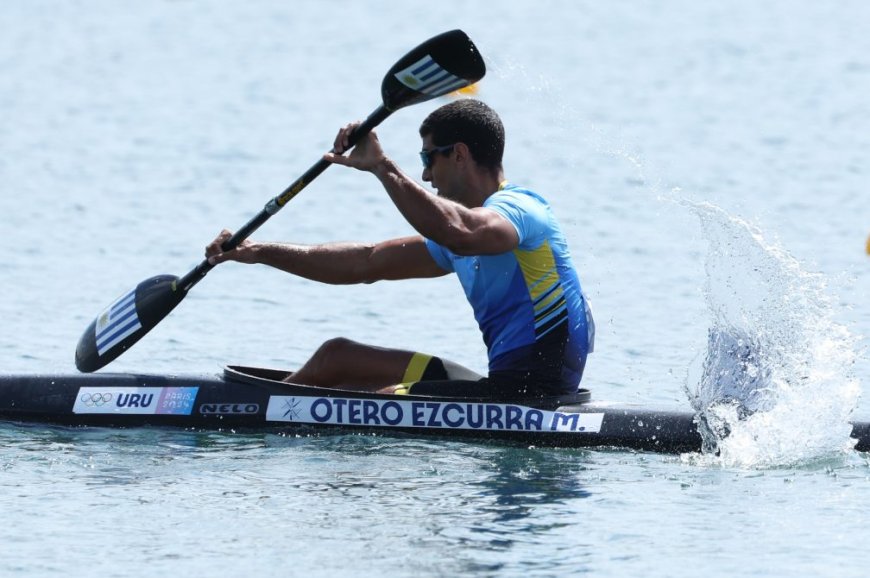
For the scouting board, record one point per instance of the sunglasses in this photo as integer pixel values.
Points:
(426, 156)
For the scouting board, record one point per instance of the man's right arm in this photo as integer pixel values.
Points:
(336, 263)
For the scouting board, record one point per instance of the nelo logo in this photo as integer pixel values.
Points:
(229, 408)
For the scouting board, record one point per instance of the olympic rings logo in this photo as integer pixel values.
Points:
(95, 399)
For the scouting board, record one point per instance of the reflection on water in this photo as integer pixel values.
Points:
(475, 503)
(522, 481)
(524, 496)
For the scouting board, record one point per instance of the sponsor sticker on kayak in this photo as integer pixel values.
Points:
(427, 414)
(136, 400)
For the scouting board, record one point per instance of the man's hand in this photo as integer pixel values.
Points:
(244, 253)
(365, 156)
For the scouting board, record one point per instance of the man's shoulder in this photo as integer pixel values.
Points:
(515, 194)
(518, 203)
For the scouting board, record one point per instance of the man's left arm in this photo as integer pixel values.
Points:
(463, 230)
(480, 231)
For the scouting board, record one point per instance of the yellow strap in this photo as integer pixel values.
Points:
(416, 367)
(502, 185)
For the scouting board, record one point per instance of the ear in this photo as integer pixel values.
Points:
(461, 152)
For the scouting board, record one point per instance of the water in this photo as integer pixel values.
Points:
(775, 354)
(707, 163)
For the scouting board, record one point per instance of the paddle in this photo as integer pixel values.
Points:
(440, 65)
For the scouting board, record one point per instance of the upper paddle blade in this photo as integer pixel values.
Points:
(126, 321)
(439, 66)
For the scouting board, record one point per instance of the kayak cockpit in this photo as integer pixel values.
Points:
(272, 377)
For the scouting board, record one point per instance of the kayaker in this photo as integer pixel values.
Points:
(501, 240)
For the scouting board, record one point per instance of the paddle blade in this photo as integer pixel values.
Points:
(126, 321)
(441, 65)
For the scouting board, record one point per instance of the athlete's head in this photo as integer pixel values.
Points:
(471, 122)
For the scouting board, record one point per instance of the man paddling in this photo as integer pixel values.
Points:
(501, 240)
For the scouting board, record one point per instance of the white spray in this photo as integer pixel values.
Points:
(776, 384)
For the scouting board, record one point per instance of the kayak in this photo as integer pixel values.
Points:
(247, 398)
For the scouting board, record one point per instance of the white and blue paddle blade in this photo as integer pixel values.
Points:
(126, 321)
(439, 66)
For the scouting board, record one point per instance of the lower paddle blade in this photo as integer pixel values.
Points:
(439, 66)
(126, 321)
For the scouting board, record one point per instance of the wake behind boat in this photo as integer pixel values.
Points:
(245, 398)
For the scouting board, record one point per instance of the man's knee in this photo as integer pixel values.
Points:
(332, 354)
(334, 347)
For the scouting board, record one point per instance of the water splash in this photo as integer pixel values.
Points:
(776, 385)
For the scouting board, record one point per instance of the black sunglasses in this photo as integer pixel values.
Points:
(426, 156)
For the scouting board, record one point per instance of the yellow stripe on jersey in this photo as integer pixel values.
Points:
(542, 278)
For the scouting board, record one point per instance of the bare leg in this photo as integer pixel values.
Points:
(341, 362)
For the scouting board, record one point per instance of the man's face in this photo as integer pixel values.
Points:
(440, 169)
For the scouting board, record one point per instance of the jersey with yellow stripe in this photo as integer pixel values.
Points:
(528, 302)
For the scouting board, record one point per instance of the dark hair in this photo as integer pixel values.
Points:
(471, 122)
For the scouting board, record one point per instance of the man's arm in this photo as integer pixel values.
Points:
(336, 263)
(463, 230)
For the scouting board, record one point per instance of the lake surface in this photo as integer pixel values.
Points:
(708, 164)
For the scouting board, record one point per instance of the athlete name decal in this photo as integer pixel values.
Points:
(136, 400)
(428, 414)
